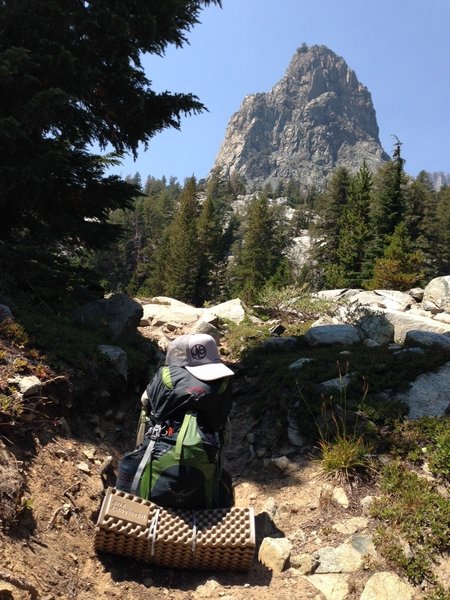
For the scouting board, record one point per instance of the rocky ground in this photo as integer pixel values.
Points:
(57, 466)
(66, 463)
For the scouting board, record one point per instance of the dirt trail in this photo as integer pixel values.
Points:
(51, 548)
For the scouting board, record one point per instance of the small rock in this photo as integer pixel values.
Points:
(208, 589)
(339, 495)
(148, 582)
(366, 503)
(274, 553)
(59, 453)
(84, 467)
(29, 386)
(270, 507)
(386, 586)
(282, 463)
(333, 586)
(300, 363)
(304, 563)
(417, 294)
(351, 525)
(89, 453)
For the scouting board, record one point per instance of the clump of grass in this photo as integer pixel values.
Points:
(346, 457)
(414, 511)
(345, 453)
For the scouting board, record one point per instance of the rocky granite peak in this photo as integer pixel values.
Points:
(316, 118)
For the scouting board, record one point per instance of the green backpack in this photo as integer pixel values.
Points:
(183, 470)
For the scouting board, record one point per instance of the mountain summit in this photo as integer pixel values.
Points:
(317, 117)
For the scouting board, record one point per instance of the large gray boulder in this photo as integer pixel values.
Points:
(437, 294)
(429, 394)
(408, 321)
(425, 339)
(328, 335)
(120, 313)
(162, 309)
(231, 310)
(384, 299)
(377, 328)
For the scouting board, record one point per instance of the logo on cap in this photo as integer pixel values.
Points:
(198, 351)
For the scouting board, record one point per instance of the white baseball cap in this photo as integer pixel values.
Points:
(198, 353)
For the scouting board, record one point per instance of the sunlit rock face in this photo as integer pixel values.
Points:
(317, 117)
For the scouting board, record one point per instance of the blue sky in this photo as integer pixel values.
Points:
(399, 49)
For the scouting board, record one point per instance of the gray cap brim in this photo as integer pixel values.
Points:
(210, 371)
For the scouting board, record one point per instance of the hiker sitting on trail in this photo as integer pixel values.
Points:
(187, 403)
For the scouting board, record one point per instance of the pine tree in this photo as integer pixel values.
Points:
(72, 79)
(326, 231)
(128, 263)
(182, 261)
(388, 203)
(387, 208)
(211, 251)
(260, 253)
(400, 267)
(354, 228)
(442, 248)
(428, 225)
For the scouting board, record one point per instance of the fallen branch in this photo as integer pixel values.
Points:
(77, 483)
(20, 583)
(69, 495)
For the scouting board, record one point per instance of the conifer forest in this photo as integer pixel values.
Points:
(382, 230)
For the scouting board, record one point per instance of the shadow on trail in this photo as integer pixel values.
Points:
(123, 569)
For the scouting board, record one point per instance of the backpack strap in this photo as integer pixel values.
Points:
(154, 436)
(166, 377)
(224, 385)
(188, 417)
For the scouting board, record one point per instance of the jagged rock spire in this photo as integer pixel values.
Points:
(317, 117)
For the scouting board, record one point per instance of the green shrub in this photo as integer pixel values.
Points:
(11, 407)
(427, 439)
(438, 594)
(292, 304)
(414, 511)
(439, 452)
(242, 338)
